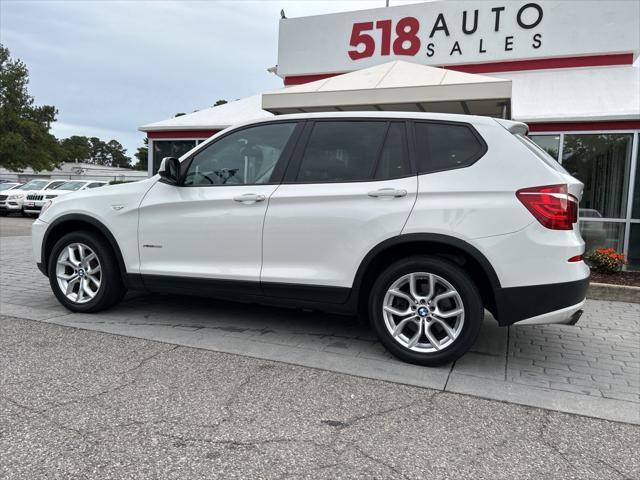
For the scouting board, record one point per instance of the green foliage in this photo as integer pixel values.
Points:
(94, 150)
(606, 260)
(25, 140)
(143, 156)
(220, 102)
(76, 149)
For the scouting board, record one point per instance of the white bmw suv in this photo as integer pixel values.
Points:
(418, 222)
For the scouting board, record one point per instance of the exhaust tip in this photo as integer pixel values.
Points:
(575, 317)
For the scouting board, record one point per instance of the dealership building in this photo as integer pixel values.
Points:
(569, 69)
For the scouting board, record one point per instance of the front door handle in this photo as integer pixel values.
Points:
(388, 192)
(249, 198)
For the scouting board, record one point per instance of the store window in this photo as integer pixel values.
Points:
(549, 143)
(602, 235)
(633, 256)
(601, 162)
(170, 148)
(635, 206)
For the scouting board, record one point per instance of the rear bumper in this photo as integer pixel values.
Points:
(551, 303)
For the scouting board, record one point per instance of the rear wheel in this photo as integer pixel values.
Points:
(84, 274)
(426, 310)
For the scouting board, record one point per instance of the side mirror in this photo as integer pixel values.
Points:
(169, 170)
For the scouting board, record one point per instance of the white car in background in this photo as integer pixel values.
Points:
(6, 186)
(12, 201)
(7, 189)
(35, 200)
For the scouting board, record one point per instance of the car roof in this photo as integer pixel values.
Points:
(444, 117)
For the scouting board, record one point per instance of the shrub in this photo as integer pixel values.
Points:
(606, 260)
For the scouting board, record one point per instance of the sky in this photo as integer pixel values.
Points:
(112, 66)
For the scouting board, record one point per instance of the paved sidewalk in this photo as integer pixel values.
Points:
(81, 404)
(592, 368)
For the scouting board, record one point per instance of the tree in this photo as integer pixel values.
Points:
(117, 155)
(25, 140)
(99, 152)
(143, 156)
(75, 149)
(179, 114)
(220, 102)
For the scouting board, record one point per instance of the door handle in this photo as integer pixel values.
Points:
(249, 198)
(388, 192)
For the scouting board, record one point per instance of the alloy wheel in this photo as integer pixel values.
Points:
(423, 312)
(79, 273)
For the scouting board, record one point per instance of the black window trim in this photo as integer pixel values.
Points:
(291, 175)
(278, 171)
(469, 126)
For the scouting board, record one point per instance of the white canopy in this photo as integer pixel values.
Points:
(397, 85)
(213, 118)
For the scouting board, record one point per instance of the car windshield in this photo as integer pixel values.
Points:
(71, 186)
(34, 185)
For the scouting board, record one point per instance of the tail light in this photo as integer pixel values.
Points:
(552, 205)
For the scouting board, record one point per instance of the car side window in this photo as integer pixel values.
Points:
(245, 157)
(94, 185)
(443, 146)
(341, 151)
(394, 162)
(54, 185)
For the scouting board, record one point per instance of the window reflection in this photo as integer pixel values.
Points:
(601, 162)
(633, 256)
(635, 208)
(602, 235)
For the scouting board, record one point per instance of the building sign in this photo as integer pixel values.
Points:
(457, 32)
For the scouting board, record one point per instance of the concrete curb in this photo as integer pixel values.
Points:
(616, 293)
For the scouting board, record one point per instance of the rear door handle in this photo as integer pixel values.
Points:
(249, 198)
(388, 192)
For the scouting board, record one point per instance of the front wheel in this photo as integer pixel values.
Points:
(83, 273)
(426, 310)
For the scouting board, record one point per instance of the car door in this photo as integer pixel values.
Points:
(350, 186)
(209, 227)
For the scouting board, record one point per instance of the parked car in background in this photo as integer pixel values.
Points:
(6, 189)
(12, 201)
(35, 200)
(4, 186)
(416, 221)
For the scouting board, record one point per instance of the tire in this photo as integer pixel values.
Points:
(410, 343)
(110, 288)
(24, 214)
(4, 214)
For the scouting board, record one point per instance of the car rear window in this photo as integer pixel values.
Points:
(441, 146)
(540, 153)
